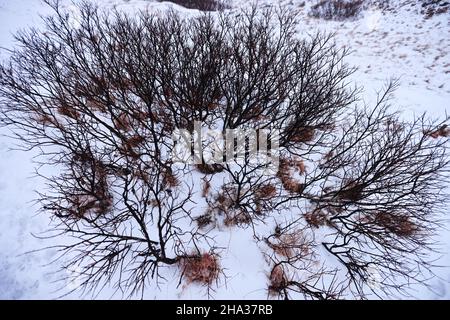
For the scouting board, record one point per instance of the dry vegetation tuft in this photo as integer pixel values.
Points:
(203, 269)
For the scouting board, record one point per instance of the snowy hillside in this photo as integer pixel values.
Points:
(399, 42)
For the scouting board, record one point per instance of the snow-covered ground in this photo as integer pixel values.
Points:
(400, 44)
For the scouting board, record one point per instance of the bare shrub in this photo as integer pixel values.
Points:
(336, 9)
(431, 8)
(101, 100)
(203, 5)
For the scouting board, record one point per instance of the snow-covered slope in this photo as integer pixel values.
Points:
(400, 43)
